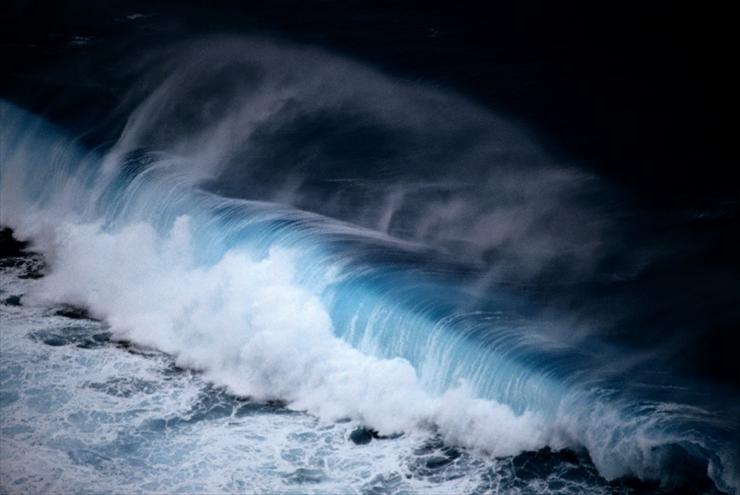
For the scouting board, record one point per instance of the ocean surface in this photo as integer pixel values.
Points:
(83, 412)
(237, 263)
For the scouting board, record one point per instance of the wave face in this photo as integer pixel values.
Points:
(220, 230)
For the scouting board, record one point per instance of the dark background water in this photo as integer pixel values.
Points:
(641, 94)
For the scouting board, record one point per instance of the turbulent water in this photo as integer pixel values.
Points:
(85, 413)
(261, 319)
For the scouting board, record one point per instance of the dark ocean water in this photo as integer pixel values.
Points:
(498, 243)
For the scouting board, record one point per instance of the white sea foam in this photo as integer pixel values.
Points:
(248, 325)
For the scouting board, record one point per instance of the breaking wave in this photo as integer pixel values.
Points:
(342, 316)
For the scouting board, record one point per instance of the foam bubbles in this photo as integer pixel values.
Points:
(248, 325)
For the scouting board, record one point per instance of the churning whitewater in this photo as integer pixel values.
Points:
(277, 289)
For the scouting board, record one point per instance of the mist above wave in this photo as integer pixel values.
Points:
(260, 120)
